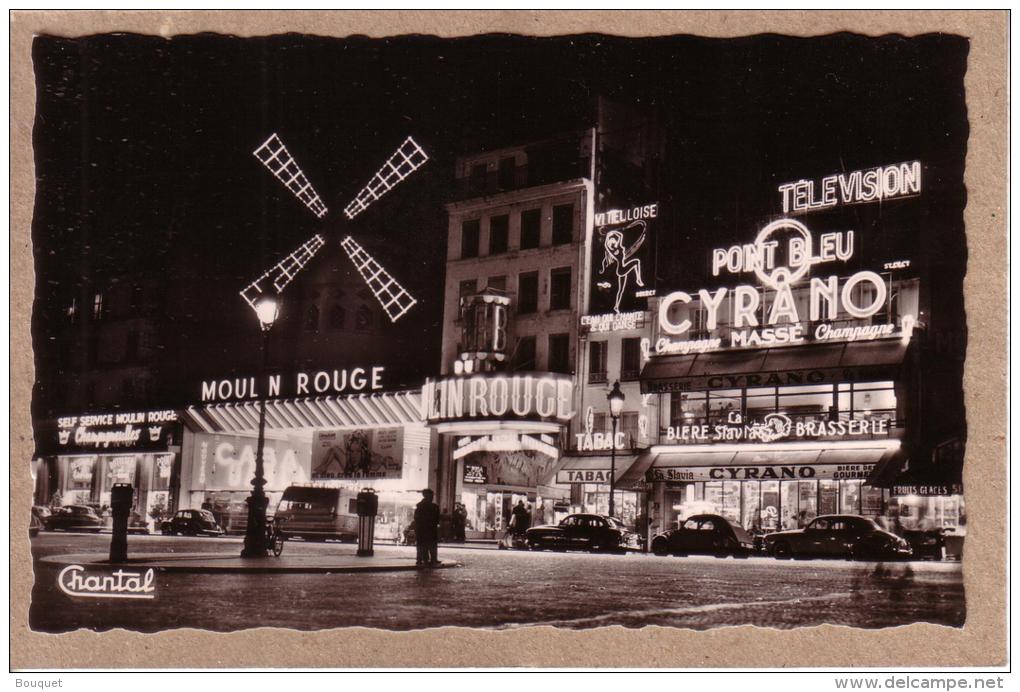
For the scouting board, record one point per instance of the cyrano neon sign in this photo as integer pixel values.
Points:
(781, 256)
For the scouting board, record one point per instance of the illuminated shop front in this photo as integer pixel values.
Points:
(83, 456)
(791, 398)
(500, 436)
(359, 441)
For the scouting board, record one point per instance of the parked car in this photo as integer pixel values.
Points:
(137, 524)
(594, 532)
(74, 518)
(318, 514)
(704, 534)
(926, 544)
(192, 522)
(838, 536)
(41, 513)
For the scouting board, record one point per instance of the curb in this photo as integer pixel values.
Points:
(198, 563)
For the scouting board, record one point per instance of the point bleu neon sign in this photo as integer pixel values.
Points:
(782, 324)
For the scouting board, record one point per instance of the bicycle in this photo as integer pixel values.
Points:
(275, 536)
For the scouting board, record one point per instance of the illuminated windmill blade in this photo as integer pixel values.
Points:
(274, 156)
(391, 295)
(408, 158)
(283, 272)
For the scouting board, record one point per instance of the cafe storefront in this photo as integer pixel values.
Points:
(791, 397)
(81, 457)
(774, 457)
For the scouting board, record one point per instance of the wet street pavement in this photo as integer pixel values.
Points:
(506, 589)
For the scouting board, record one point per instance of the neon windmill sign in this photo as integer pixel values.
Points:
(781, 257)
(393, 298)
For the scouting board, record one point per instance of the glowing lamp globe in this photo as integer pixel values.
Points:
(616, 399)
(267, 310)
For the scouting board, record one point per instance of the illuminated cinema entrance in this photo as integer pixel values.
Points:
(500, 437)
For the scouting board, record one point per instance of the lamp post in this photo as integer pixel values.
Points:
(267, 310)
(616, 399)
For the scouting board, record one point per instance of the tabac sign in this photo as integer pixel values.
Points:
(780, 258)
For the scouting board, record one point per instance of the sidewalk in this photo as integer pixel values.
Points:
(230, 563)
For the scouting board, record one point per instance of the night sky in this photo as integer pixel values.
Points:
(144, 165)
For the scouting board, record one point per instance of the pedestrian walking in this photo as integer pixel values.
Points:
(459, 522)
(426, 529)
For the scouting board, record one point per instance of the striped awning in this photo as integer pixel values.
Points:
(354, 411)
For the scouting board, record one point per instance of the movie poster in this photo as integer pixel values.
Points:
(358, 454)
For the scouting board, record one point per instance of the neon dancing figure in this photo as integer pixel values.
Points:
(617, 254)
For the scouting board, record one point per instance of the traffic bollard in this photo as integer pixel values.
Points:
(121, 499)
(368, 508)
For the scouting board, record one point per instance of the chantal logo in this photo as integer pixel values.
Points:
(73, 581)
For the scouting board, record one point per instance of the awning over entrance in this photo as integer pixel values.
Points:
(810, 364)
(588, 468)
(356, 411)
(779, 461)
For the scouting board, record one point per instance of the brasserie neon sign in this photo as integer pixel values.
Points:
(861, 295)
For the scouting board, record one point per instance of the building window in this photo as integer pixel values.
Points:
(507, 169)
(559, 353)
(337, 317)
(469, 232)
(600, 423)
(527, 293)
(531, 228)
(559, 289)
(499, 232)
(563, 224)
(478, 177)
(72, 311)
(628, 425)
(312, 318)
(524, 354)
(498, 283)
(97, 306)
(630, 359)
(468, 287)
(597, 360)
(699, 323)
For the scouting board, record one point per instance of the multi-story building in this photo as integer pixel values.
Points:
(546, 285)
(505, 401)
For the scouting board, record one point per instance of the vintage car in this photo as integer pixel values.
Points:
(927, 544)
(74, 518)
(137, 524)
(838, 536)
(192, 522)
(593, 532)
(704, 534)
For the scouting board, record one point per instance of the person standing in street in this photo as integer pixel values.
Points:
(521, 520)
(426, 529)
(459, 522)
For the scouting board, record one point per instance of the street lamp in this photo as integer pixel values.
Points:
(267, 309)
(616, 399)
